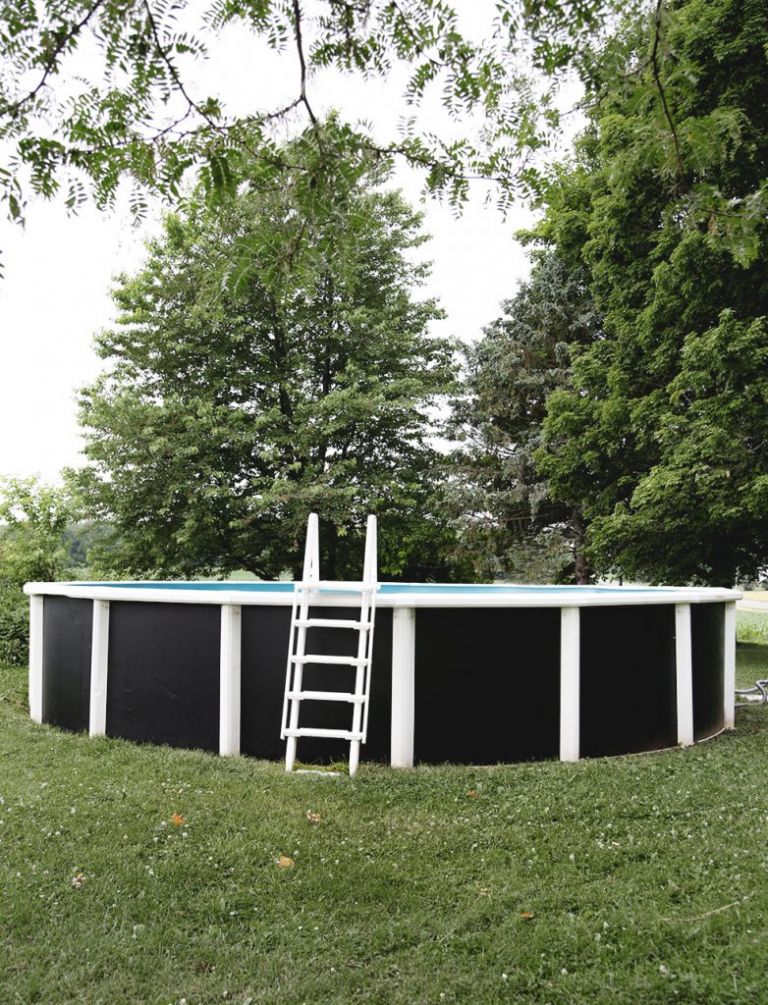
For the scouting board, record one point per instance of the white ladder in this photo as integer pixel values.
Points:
(306, 593)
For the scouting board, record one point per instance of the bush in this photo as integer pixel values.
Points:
(14, 626)
(34, 518)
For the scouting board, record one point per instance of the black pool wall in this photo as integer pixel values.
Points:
(163, 676)
(67, 628)
(487, 681)
(708, 651)
(628, 679)
(487, 684)
(263, 657)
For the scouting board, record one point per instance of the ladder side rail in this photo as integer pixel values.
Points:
(354, 745)
(296, 684)
(370, 578)
(369, 563)
(289, 665)
(311, 571)
(298, 639)
(366, 647)
(363, 669)
(296, 647)
(369, 584)
(367, 685)
(362, 674)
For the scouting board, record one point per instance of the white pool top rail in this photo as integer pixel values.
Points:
(397, 595)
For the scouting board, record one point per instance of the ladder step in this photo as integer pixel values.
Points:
(324, 734)
(331, 586)
(353, 699)
(350, 661)
(359, 626)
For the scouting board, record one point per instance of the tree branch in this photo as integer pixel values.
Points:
(221, 128)
(302, 62)
(424, 160)
(660, 87)
(174, 73)
(50, 64)
(407, 25)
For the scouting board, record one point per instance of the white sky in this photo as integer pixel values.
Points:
(55, 294)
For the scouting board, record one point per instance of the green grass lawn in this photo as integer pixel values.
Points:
(752, 626)
(635, 880)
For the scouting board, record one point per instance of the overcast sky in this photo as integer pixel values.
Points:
(55, 294)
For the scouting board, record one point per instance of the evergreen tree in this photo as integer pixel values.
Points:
(508, 524)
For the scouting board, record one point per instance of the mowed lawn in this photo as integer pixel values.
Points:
(142, 875)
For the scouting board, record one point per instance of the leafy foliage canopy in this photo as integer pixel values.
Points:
(93, 91)
(661, 437)
(267, 363)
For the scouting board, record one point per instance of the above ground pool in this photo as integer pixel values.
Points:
(467, 674)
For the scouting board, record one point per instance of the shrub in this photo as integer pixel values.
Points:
(14, 626)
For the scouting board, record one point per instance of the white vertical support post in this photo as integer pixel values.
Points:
(684, 674)
(729, 665)
(570, 684)
(36, 658)
(97, 719)
(403, 686)
(229, 680)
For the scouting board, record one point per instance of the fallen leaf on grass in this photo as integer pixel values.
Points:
(178, 820)
(526, 915)
(472, 794)
(284, 862)
(314, 818)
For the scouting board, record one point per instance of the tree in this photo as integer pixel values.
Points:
(266, 364)
(659, 437)
(508, 522)
(133, 111)
(701, 513)
(139, 115)
(34, 518)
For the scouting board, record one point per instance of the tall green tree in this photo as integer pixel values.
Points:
(508, 524)
(660, 435)
(700, 513)
(267, 363)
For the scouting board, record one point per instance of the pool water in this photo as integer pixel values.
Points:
(388, 589)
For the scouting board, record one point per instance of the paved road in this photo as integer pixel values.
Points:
(752, 605)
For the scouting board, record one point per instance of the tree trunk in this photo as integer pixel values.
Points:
(331, 560)
(581, 570)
